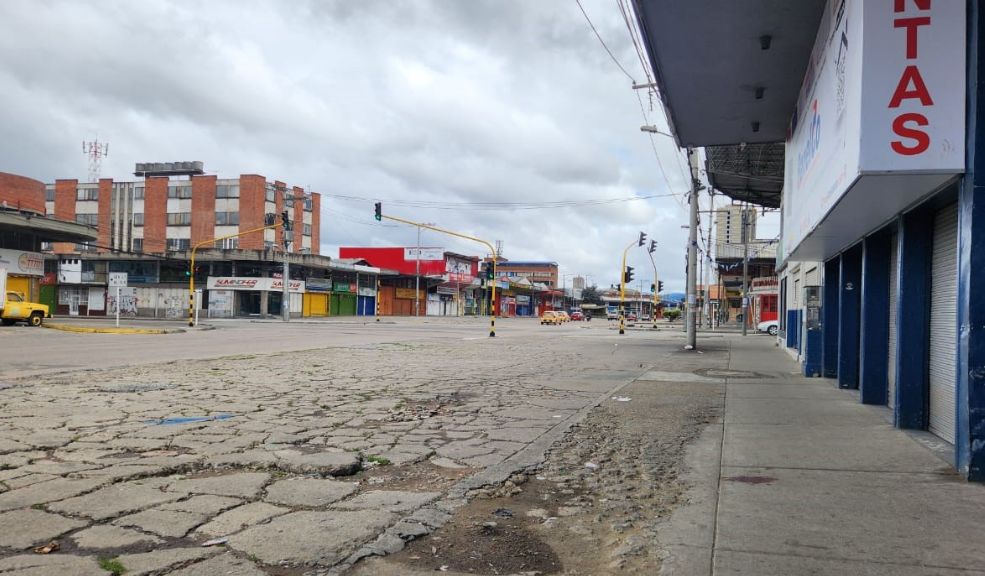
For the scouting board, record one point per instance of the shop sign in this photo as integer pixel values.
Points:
(521, 299)
(412, 254)
(883, 95)
(406, 293)
(459, 270)
(22, 263)
(367, 291)
(319, 285)
(341, 287)
(247, 283)
(446, 290)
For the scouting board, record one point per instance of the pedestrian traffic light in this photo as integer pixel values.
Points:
(642, 239)
(285, 220)
(660, 286)
(653, 246)
(628, 276)
(379, 211)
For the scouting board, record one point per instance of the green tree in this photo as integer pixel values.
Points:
(591, 295)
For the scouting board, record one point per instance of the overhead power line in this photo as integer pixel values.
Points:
(439, 205)
(601, 41)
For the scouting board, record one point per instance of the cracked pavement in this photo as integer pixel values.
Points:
(302, 462)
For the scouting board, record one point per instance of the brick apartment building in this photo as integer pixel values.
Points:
(158, 214)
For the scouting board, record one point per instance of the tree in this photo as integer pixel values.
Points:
(591, 295)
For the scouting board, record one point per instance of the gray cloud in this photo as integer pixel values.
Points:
(443, 100)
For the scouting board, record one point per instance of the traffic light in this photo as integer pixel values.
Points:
(379, 211)
(285, 220)
(653, 246)
(653, 287)
(489, 271)
(188, 272)
(660, 286)
(628, 276)
(642, 238)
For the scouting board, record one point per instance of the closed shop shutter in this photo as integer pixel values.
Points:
(891, 359)
(943, 323)
(812, 278)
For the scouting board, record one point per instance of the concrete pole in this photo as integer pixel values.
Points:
(711, 237)
(745, 270)
(286, 298)
(692, 255)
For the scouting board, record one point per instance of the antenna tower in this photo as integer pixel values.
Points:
(499, 248)
(95, 150)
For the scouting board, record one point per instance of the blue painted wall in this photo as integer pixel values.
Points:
(849, 320)
(970, 439)
(916, 232)
(829, 318)
(875, 318)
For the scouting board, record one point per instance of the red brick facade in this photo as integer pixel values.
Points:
(21, 193)
(65, 195)
(104, 239)
(203, 208)
(315, 223)
(251, 194)
(155, 214)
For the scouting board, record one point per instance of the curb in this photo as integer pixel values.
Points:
(86, 330)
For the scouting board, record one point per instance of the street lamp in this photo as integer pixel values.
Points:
(654, 130)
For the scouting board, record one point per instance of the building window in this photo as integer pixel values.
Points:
(227, 244)
(308, 204)
(178, 244)
(138, 193)
(307, 229)
(179, 219)
(137, 244)
(227, 218)
(87, 194)
(138, 219)
(179, 191)
(84, 247)
(227, 191)
(268, 245)
(49, 194)
(271, 193)
(46, 247)
(87, 219)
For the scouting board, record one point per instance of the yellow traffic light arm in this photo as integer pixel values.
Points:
(191, 269)
(492, 250)
(622, 289)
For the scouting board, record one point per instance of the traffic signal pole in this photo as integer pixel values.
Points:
(492, 250)
(191, 269)
(692, 255)
(622, 289)
(653, 310)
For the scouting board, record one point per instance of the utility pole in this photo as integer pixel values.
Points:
(745, 269)
(417, 277)
(708, 248)
(692, 254)
(286, 298)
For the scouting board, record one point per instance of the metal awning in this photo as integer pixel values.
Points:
(729, 73)
(749, 172)
(46, 229)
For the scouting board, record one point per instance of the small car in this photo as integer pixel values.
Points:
(550, 317)
(577, 316)
(770, 327)
(631, 317)
(563, 316)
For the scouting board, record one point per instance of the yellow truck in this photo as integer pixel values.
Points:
(14, 307)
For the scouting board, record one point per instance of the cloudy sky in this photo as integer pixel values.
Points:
(440, 109)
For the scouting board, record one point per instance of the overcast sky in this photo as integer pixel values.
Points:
(443, 102)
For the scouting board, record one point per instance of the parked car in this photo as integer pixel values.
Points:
(576, 315)
(611, 314)
(550, 317)
(631, 317)
(770, 327)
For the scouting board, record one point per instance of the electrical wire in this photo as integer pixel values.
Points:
(601, 41)
(491, 206)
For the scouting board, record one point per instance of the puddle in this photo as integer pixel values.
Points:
(187, 419)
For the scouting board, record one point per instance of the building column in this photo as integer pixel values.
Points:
(849, 321)
(875, 319)
(970, 385)
(829, 317)
(916, 233)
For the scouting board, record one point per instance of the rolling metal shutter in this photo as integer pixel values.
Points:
(813, 277)
(893, 298)
(943, 323)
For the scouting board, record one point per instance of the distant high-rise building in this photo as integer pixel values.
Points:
(728, 224)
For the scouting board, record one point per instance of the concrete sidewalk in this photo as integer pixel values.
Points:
(800, 478)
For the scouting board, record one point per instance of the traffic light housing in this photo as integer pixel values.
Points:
(653, 246)
(642, 239)
(285, 220)
(628, 275)
(489, 271)
(660, 286)
(379, 212)
(653, 287)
